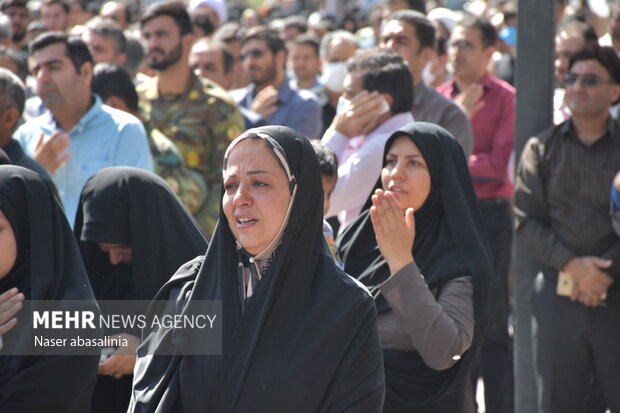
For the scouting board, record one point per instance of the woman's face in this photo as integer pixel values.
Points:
(406, 175)
(118, 253)
(256, 195)
(8, 246)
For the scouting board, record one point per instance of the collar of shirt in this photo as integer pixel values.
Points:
(485, 81)
(51, 125)
(567, 129)
(151, 90)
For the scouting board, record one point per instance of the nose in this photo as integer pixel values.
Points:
(396, 171)
(242, 196)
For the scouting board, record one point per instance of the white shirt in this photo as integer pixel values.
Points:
(358, 174)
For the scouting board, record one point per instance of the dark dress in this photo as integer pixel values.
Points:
(306, 340)
(129, 206)
(449, 243)
(48, 267)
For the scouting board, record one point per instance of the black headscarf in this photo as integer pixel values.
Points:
(4, 158)
(48, 267)
(306, 342)
(450, 242)
(130, 206)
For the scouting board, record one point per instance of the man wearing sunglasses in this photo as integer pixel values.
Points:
(269, 100)
(562, 209)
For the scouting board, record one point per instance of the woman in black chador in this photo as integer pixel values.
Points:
(299, 335)
(133, 233)
(39, 260)
(419, 247)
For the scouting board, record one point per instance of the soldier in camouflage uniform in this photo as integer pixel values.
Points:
(196, 114)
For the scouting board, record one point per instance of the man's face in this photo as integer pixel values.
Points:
(162, 42)
(101, 47)
(468, 55)
(566, 45)
(259, 62)
(58, 84)
(305, 62)
(402, 38)
(352, 85)
(590, 100)
(19, 21)
(208, 62)
(54, 17)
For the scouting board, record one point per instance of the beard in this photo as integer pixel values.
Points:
(168, 59)
(18, 37)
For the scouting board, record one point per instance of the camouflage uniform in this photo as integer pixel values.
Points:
(200, 123)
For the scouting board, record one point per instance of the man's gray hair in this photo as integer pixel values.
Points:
(12, 91)
(337, 34)
(109, 29)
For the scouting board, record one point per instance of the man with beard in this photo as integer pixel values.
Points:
(269, 100)
(79, 135)
(17, 12)
(196, 114)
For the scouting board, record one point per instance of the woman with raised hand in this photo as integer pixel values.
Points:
(39, 260)
(298, 334)
(419, 247)
(133, 233)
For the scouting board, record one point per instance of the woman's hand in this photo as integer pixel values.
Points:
(10, 304)
(123, 360)
(395, 233)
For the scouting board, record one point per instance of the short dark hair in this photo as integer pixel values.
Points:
(13, 3)
(112, 80)
(18, 58)
(605, 55)
(75, 47)
(384, 71)
(271, 37)
(63, 4)
(109, 29)
(328, 161)
(12, 91)
(424, 29)
(579, 28)
(488, 34)
(229, 32)
(174, 9)
(307, 40)
(202, 21)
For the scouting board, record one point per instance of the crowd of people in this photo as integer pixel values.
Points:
(341, 177)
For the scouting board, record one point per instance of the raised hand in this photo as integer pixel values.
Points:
(265, 102)
(360, 116)
(395, 231)
(10, 304)
(50, 153)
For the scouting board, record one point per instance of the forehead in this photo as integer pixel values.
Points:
(58, 51)
(589, 66)
(403, 145)
(251, 154)
(254, 44)
(53, 8)
(396, 27)
(353, 82)
(205, 54)
(303, 49)
(160, 23)
(90, 36)
(340, 50)
(470, 34)
(570, 42)
(13, 10)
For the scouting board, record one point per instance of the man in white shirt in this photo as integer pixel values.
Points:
(377, 98)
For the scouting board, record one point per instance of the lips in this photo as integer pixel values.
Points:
(396, 190)
(245, 222)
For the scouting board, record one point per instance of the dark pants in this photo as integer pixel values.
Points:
(578, 352)
(494, 362)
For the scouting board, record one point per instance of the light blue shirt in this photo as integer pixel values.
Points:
(103, 137)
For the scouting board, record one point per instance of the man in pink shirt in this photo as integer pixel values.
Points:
(489, 103)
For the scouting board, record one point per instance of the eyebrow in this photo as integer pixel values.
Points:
(257, 172)
(47, 63)
(408, 156)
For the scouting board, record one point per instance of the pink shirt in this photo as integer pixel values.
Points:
(494, 134)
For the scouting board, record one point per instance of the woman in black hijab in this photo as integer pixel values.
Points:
(45, 264)
(134, 234)
(299, 335)
(419, 247)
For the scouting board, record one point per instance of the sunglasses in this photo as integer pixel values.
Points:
(254, 54)
(588, 80)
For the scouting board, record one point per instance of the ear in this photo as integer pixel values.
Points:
(116, 103)
(86, 72)
(388, 98)
(188, 42)
(121, 59)
(280, 59)
(9, 119)
(615, 93)
(428, 54)
(488, 52)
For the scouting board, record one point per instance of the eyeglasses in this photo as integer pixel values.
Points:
(254, 54)
(588, 80)
(464, 45)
